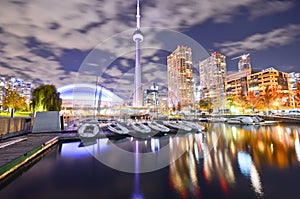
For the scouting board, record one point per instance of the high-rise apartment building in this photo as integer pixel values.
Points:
(237, 82)
(257, 82)
(294, 81)
(212, 79)
(180, 78)
(151, 96)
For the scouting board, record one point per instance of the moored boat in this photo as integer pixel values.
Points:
(177, 125)
(88, 130)
(245, 120)
(193, 125)
(117, 128)
(139, 127)
(257, 120)
(158, 127)
(217, 119)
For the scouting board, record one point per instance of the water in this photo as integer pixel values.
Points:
(226, 162)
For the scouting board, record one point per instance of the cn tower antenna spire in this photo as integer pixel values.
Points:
(138, 16)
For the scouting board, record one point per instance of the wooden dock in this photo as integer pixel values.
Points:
(283, 119)
(11, 152)
(16, 152)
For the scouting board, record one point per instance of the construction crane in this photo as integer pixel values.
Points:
(244, 56)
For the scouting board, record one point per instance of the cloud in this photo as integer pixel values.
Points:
(61, 27)
(262, 41)
(264, 8)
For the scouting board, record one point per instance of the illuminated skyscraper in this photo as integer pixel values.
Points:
(151, 96)
(212, 79)
(180, 78)
(137, 38)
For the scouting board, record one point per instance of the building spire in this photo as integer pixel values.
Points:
(138, 16)
(137, 38)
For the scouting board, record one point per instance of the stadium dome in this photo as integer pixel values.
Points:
(87, 95)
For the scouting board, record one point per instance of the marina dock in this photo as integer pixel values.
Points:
(18, 151)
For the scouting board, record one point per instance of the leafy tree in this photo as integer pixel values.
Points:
(230, 100)
(46, 98)
(13, 100)
(269, 97)
(205, 104)
(253, 100)
(241, 100)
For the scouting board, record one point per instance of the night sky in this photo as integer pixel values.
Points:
(63, 42)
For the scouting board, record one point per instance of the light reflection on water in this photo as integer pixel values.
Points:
(225, 162)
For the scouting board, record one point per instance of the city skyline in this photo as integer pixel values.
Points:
(49, 41)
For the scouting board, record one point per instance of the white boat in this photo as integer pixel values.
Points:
(117, 128)
(158, 127)
(142, 128)
(88, 130)
(245, 120)
(177, 125)
(193, 125)
(269, 122)
(260, 121)
(257, 120)
(217, 119)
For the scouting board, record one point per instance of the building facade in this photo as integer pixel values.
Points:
(257, 82)
(271, 77)
(180, 78)
(212, 79)
(294, 80)
(151, 96)
(235, 82)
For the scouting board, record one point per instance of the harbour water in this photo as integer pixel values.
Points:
(226, 161)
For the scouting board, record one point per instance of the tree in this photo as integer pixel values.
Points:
(269, 97)
(230, 101)
(46, 98)
(205, 104)
(179, 106)
(13, 100)
(253, 100)
(242, 100)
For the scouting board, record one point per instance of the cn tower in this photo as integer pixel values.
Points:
(137, 38)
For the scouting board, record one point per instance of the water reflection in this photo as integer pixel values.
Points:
(227, 161)
(252, 148)
(248, 169)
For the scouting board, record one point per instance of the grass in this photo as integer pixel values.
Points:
(17, 114)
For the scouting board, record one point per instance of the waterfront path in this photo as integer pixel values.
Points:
(17, 151)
